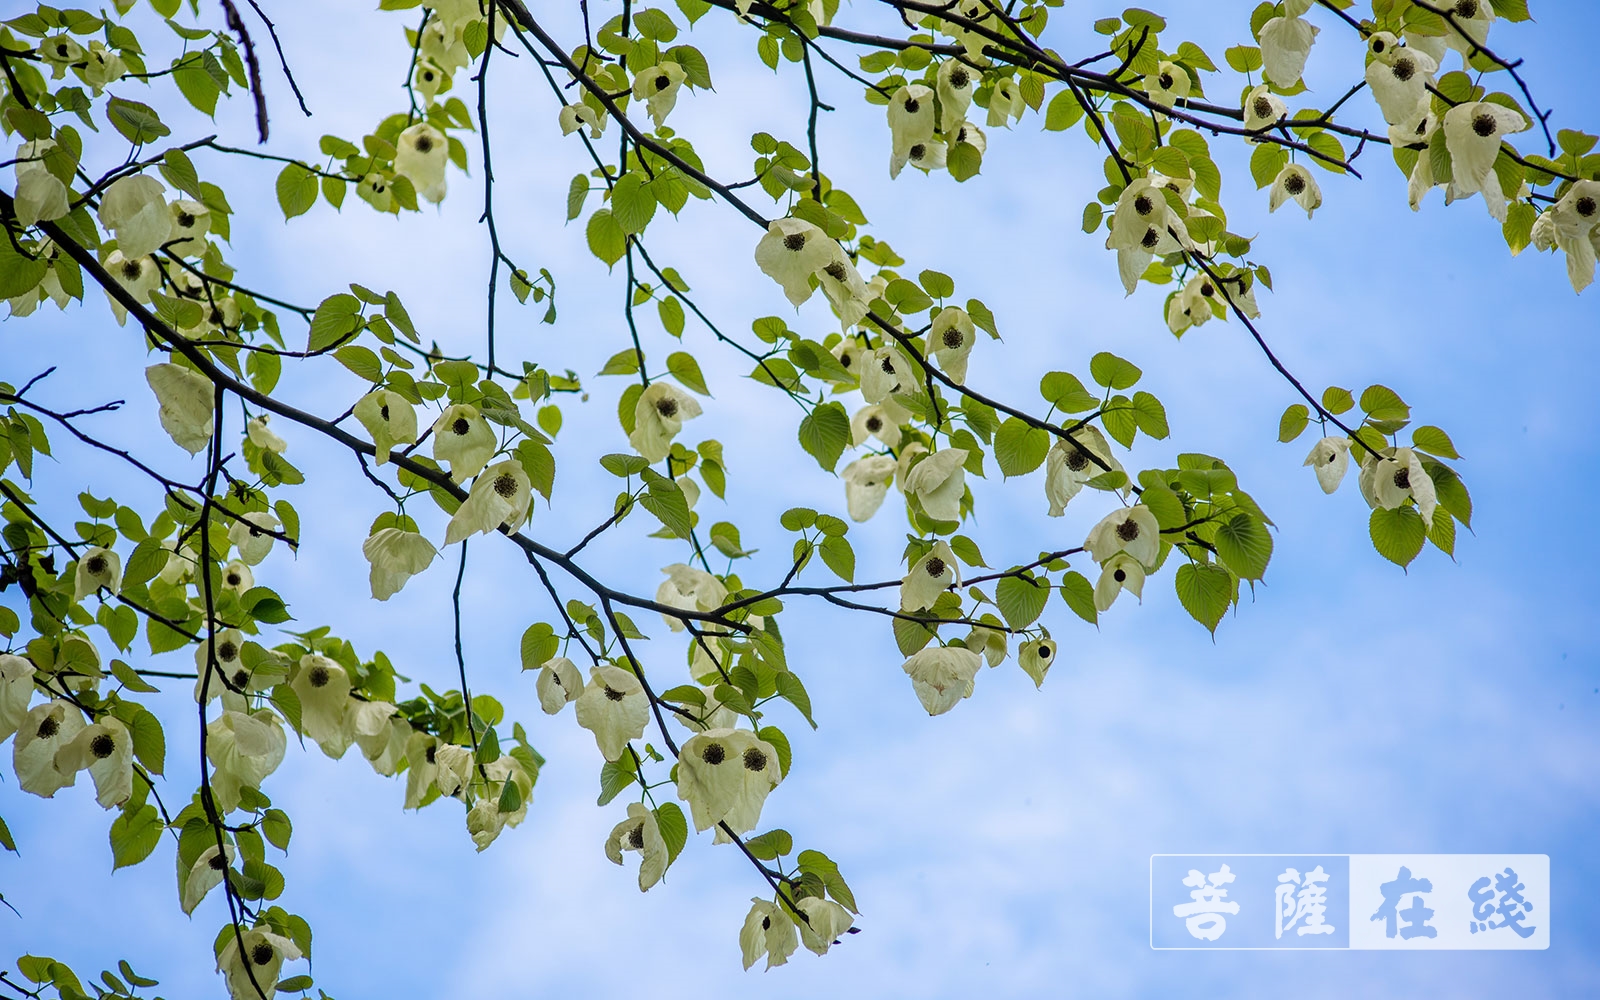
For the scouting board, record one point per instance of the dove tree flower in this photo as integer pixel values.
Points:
(389, 418)
(500, 498)
(135, 209)
(186, 404)
(323, 687)
(1286, 42)
(1118, 573)
(1398, 77)
(658, 416)
(16, 690)
(791, 252)
(614, 708)
(421, 154)
(396, 556)
(929, 577)
(866, 483)
(658, 87)
(1473, 133)
(641, 833)
(1036, 657)
(559, 684)
(44, 731)
(1133, 530)
(462, 437)
(768, 931)
(1390, 481)
(1294, 182)
(252, 962)
(942, 676)
(97, 567)
(939, 482)
(1330, 459)
(725, 775)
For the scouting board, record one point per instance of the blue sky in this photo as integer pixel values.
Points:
(1349, 707)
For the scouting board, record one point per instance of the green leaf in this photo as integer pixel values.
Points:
(824, 433)
(1245, 545)
(1293, 422)
(1063, 111)
(137, 122)
(1019, 447)
(686, 369)
(1205, 592)
(1113, 372)
(297, 190)
(1150, 415)
(1398, 534)
(771, 845)
(337, 318)
(606, 237)
(839, 557)
(6, 840)
(1336, 400)
(149, 742)
(937, 284)
(793, 691)
(1383, 403)
(1434, 441)
(539, 644)
(671, 312)
(276, 827)
(134, 835)
(614, 777)
(1021, 599)
(1066, 393)
(633, 205)
(674, 829)
(911, 635)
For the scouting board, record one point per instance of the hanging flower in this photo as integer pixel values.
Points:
(389, 418)
(191, 220)
(926, 155)
(614, 707)
(1262, 108)
(16, 690)
(658, 416)
(1070, 464)
(658, 87)
(912, 453)
(955, 82)
(970, 134)
(911, 123)
(1295, 181)
(559, 683)
(236, 576)
(1132, 530)
(939, 481)
(1168, 85)
(500, 498)
(1142, 226)
(464, 439)
(725, 776)
(883, 372)
(873, 422)
(767, 931)
(45, 730)
(990, 642)
(228, 670)
(380, 735)
(97, 568)
(1191, 305)
(1286, 44)
(1398, 77)
(41, 196)
(323, 688)
(102, 67)
(1121, 571)
(105, 750)
(574, 117)
(847, 293)
(791, 252)
(265, 953)
(421, 154)
(1036, 657)
(1467, 28)
(1005, 103)
(186, 404)
(1473, 133)
(374, 190)
(639, 832)
(866, 483)
(1330, 458)
(826, 921)
(135, 209)
(253, 534)
(851, 354)
(59, 52)
(930, 576)
(396, 556)
(951, 338)
(942, 676)
(690, 589)
(138, 276)
(256, 430)
(1574, 226)
(1390, 481)
(422, 767)
(204, 875)
(244, 749)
